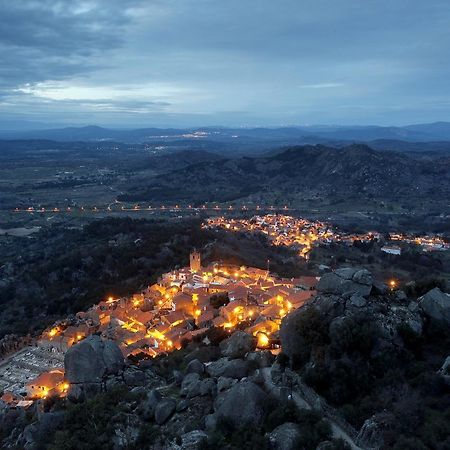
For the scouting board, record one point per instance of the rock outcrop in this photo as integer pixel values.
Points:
(194, 440)
(370, 436)
(195, 366)
(235, 368)
(244, 404)
(346, 281)
(164, 410)
(237, 345)
(35, 434)
(149, 404)
(285, 437)
(190, 386)
(344, 294)
(88, 362)
(436, 304)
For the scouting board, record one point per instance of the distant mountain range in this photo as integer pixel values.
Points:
(439, 131)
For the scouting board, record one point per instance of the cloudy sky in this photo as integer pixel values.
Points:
(129, 63)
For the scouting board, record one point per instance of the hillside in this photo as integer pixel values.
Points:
(362, 367)
(312, 171)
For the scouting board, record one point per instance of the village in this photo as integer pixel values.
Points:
(183, 305)
(303, 235)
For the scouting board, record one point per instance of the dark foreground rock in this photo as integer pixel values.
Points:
(346, 281)
(244, 404)
(436, 304)
(164, 410)
(285, 437)
(235, 368)
(88, 362)
(237, 345)
(370, 436)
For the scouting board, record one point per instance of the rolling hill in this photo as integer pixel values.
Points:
(307, 171)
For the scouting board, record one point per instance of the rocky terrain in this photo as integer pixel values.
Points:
(359, 368)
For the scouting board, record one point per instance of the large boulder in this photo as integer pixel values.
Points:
(370, 435)
(436, 304)
(235, 368)
(380, 288)
(87, 363)
(208, 387)
(194, 440)
(237, 345)
(91, 359)
(195, 366)
(346, 273)
(292, 342)
(285, 437)
(134, 376)
(190, 386)
(35, 435)
(244, 404)
(224, 383)
(204, 354)
(261, 359)
(150, 403)
(164, 410)
(364, 277)
(356, 301)
(346, 281)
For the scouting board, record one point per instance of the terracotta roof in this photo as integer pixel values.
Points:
(48, 379)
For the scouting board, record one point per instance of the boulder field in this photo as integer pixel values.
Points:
(233, 385)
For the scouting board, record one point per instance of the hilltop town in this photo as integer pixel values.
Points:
(186, 302)
(208, 348)
(183, 305)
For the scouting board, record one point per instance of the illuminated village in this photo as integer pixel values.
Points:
(303, 234)
(183, 305)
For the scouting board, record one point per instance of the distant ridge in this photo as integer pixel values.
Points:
(438, 131)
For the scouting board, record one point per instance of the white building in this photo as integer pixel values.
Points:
(392, 249)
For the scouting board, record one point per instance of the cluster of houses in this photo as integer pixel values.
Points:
(303, 235)
(187, 302)
(298, 233)
(183, 305)
(427, 243)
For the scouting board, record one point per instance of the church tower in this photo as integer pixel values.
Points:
(195, 261)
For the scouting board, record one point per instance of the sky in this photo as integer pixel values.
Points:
(144, 63)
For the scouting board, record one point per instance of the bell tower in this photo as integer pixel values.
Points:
(195, 261)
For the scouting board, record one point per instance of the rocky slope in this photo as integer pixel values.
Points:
(355, 372)
(377, 356)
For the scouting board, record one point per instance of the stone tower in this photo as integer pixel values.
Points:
(195, 261)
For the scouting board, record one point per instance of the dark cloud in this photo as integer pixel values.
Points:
(44, 39)
(273, 62)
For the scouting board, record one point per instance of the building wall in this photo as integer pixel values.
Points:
(195, 261)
